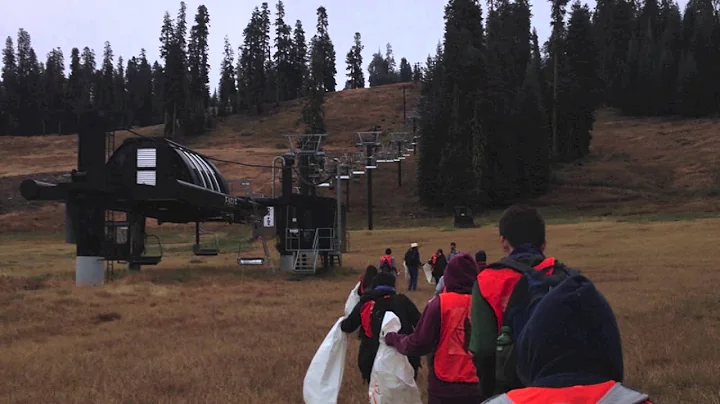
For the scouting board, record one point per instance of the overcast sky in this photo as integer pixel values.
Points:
(413, 27)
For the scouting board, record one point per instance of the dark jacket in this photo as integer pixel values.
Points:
(412, 258)
(571, 339)
(459, 277)
(440, 265)
(386, 299)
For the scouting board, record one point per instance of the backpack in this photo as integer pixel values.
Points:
(386, 265)
(528, 291)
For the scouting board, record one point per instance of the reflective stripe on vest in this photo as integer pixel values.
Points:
(453, 362)
(496, 286)
(603, 393)
(386, 258)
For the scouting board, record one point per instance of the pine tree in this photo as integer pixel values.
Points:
(417, 73)
(29, 92)
(283, 56)
(10, 85)
(228, 89)
(105, 94)
(406, 73)
(323, 44)
(299, 59)
(173, 50)
(356, 79)
(199, 70)
(252, 66)
(76, 104)
(120, 102)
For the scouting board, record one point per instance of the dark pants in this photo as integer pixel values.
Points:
(436, 277)
(412, 281)
(456, 400)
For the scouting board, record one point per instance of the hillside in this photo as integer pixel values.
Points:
(637, 165)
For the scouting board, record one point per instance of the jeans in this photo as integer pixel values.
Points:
(412, 281)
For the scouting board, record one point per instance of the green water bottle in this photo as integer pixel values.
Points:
(504, 339)
(504, 365)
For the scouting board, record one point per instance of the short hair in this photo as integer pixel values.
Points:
(480, 256)
(453, 243)
(369, 278)
(385, 279)
(522, 224)
(388, 251)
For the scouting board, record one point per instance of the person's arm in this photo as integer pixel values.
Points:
(483, 337)
(440, 285)
(424, 339)
(352, 322)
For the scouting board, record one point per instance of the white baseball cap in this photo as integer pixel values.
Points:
(413, 245)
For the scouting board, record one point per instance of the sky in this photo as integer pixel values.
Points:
(413, 27)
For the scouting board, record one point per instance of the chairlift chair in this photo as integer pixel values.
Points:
(199, 249)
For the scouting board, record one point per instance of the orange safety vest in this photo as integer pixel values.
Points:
(433, 260)
(496, 286)
(608, 392)
(453, 362)
(388, 259)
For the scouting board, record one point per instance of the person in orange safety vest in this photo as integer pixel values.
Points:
(570, 351)
(444, 331)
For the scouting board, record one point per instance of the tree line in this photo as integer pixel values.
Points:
(38, 97)
(502, 110)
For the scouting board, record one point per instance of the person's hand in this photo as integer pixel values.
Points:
(391, 338)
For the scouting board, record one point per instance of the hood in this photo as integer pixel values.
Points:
(460, 274)
(378, 291)
(571, 338)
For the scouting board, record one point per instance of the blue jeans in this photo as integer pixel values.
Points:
(412, 280)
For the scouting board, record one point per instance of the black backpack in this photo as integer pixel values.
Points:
(528, 291)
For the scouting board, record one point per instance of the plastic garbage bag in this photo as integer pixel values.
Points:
(352, 300)
(324, 375)
(391, 380)
(427, 268)
(405, 270)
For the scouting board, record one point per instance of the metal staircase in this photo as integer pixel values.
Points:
(306, 260)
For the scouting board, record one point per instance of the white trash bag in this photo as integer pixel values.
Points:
(324, 375)
(427, 268)
(352, 300)
(406, 270)
(391, 380)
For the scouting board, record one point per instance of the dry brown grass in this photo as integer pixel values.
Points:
(187, 333)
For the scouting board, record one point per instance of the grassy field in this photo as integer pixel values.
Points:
(209, 332)
(639, 216)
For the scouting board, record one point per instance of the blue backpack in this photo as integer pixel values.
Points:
(528, 291)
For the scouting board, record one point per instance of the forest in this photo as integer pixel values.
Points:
(505, 110)
(38, 98)
(498, 109)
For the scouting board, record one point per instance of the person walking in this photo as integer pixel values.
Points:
(453, 251)
(570, 351)
(438, 262)
(368, 315)
(413, 263)
(387, 262)
(443, 332)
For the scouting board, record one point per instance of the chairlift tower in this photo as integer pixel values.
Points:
(399, 139)
(370, 141)
(311, 159)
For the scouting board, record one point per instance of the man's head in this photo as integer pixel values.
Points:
(439, 252)
(521, 225)
(414, 246)
(385, 279)
(480, 257)
(388, 251)
(452, 246)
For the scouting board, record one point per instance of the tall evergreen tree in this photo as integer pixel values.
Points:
(406, 73)
(228, 86)
(11, 87)
(299, 57)
(283, 56)
(322, 43)
(356, 79)
(199, 69)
